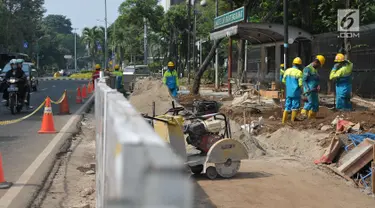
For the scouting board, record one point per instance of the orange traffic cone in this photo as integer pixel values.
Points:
(89, 89)
(3, 183)
(64, 105)
(48, 126)
(84, 92)
(79, 99)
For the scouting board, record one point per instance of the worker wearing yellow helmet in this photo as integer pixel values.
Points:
(117, 71)
(170, 78)
(311, 87)
(293, 82)
(342, 74)
(118, 75)
(96, 73)
(282, 71)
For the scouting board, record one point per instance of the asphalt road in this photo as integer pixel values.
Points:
(20, 143)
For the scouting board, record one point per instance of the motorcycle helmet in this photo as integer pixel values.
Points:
(13, 61)
(20, 61)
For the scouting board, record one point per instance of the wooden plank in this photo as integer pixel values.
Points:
(355, 154)
(270, 93)
(358, 153)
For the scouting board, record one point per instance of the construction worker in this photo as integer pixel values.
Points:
(170, 79)
(118, 75)
(117, 71)
(293, 82)
(281, 72)
(96, 74)
(311, 87)
(342, 74)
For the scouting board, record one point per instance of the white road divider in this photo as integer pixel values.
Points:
(134, 166)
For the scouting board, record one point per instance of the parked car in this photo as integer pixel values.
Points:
(31, 73)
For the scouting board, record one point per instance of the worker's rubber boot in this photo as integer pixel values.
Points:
(304, 112)
(285, 116)
(294, 115)
(312, 114)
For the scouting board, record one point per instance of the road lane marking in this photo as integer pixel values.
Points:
(13, 192)
(43, 89)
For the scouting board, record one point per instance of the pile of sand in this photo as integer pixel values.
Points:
(147, 91)
(307, 145)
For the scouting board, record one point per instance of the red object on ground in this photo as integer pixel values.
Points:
(343, 125)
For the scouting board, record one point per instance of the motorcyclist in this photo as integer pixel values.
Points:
(16, 72)
(27, 87)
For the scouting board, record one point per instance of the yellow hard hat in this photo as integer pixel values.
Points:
(170, 64)
(117, 66)
(339, 58)
(297, 60)
(282, 65)
(97, 66)
(321, 59)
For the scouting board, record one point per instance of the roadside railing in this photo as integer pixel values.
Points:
(134, 167)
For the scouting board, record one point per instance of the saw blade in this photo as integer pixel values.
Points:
(228, 169)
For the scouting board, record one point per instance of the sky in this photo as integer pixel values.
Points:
(84, 13)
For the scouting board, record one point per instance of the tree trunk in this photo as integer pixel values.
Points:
(203, 68)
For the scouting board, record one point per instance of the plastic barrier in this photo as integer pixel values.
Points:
(134, 167)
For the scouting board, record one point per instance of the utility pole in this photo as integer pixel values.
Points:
(75, 49)
(217, 51)
(194, 36)
(114, 44)
(188, 42)
(286, 34)
(230, 60)
(105, 35)
(347, 40)
(145, 41)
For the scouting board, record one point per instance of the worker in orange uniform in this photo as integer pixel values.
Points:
(96, 74)
(293, 83)
(312, 87)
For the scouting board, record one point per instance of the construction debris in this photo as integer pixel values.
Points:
(331, 152)
(357, 158)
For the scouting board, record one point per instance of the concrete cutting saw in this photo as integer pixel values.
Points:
(202, 141)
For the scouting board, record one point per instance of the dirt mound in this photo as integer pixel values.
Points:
(147, 91)
(308, 144)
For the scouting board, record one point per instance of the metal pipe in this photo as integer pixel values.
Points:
(216, 50)
(194, 37)
(145, 56)
(105, 35)
(75, 49)
(188, 41)
(230, 60)
(286, 55)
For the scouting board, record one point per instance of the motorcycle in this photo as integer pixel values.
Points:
(15, 100)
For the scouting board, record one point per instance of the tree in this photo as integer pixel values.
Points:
(58, 24)
(94, 38)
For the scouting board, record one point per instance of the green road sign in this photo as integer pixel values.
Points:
(234, 16)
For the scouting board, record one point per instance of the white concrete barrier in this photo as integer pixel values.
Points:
(134, 167)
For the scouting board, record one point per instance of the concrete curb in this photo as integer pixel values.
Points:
(24, 191)
(60, 78)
